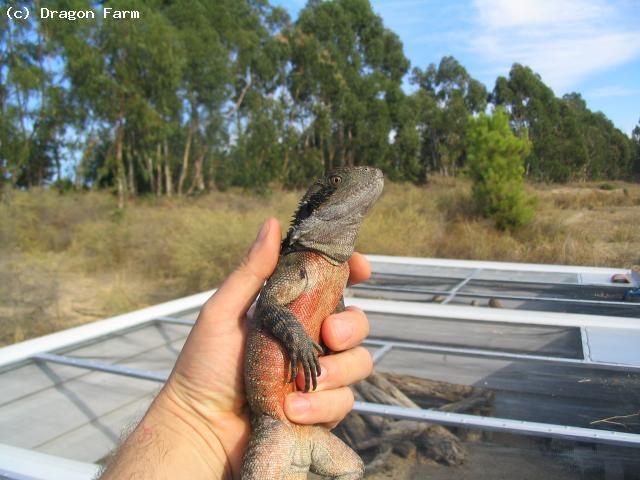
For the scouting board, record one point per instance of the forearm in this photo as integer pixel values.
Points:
(168, 443)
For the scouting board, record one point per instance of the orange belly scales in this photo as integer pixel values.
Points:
(270, 377)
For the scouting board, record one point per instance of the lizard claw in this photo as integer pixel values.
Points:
(304, 350)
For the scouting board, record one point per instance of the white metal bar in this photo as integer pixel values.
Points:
(10, 475)
(381, 352)
(537, 281)
(485, 265)
(586, 350)
(452, 293)
(175, 321)
(21, 464)
(500, 424)
(492, 295)
(102, 367)
(476, 352)
(65, 338)
(500, 315)
(386, 345)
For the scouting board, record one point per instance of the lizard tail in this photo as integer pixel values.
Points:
(282, 451)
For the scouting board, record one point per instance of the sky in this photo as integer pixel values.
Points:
(586, 46)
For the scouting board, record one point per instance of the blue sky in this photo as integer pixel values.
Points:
(586, 46)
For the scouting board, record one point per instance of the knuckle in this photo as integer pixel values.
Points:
(366, 358)
(350, 399)
(361, 320)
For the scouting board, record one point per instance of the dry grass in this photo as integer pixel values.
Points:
(69, 259)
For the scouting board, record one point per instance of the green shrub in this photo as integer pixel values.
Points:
(495, 159)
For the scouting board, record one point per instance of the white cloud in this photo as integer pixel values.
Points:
(563, 41)
(517, 13)
(612, 91)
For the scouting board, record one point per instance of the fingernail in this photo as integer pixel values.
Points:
(264, 230)
(299, 403)
(342, 330)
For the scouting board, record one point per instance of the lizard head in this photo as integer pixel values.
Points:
(331, 212)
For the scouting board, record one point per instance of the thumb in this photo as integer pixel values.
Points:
(239, 290)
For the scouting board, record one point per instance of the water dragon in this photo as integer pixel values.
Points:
(284, 333)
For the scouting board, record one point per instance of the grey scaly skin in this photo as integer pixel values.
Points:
(284, 333)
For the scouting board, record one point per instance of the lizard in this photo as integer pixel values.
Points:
(284, 332)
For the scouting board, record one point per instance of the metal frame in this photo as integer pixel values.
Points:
(426, 415)
(387, 345)
(500, 424)
(42, 349)
(499, 315)
(456, 293)
(452, 293)
(9, 475)
(32, 465)
(101, 367)
(506, 266)
(48, 343)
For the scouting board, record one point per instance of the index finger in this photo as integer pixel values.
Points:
(359, 267)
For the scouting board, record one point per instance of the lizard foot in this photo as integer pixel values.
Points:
(304, 350)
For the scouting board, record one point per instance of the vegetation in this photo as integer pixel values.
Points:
(217, 103)
(75, 257)
(495, 158)
(198, 95)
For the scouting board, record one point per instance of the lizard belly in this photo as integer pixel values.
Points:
(268, 364)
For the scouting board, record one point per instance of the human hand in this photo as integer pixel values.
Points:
(206, 388)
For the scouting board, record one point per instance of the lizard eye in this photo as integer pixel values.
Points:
(336, 179)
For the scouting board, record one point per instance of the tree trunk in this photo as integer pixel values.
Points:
(158, 185)
(340, 150)
(198, 178)
(212, 174)
(350, 152)
(58, 165)
(152, 180)
(131, 175)
(167, 170)
(185, 158)
(120, 172)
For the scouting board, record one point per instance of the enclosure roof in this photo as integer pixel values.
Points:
(68, 396)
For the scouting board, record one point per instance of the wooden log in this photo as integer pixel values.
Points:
(433, 441)
(355, 428)
(440, 444)
(416, 387)
(371, 393)
(474, 402)
(380, 436)
(375, 422)
(385, 385)
(405, 449)
(379, 461)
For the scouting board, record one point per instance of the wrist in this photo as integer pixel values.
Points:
(190, 436)
(168, 443)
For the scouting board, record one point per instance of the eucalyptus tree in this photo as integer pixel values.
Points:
(345, 66)
(635, 142)
(446, 96)
(32, 104)
(569, 142)
(608, 152)
(125, 74)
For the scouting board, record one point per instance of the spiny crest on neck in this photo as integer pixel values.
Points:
(317, 194)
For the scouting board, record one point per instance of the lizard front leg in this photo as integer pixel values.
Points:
(284, 326)
(286, 284)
